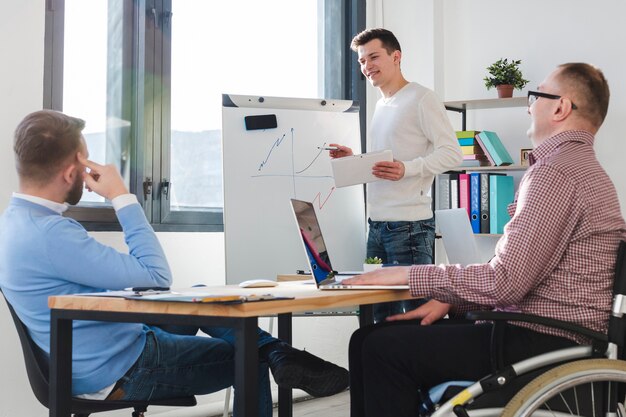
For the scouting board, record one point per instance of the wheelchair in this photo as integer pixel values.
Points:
(585, 380)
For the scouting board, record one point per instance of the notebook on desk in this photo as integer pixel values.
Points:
(316, 251)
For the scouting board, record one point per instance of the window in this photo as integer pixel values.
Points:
(148, 75)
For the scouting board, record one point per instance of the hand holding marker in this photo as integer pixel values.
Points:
(338, 151)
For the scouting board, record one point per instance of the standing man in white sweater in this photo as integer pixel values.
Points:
(412, 122)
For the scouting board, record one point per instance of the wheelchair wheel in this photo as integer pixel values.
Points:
(581, 388)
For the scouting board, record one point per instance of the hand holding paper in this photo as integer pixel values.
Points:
(389, 170)
(359, 169)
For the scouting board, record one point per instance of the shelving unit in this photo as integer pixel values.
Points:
(489, 103)
(462, 107)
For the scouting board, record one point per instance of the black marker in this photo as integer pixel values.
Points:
(328, 148)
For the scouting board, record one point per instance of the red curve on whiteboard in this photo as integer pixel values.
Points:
(318, 197)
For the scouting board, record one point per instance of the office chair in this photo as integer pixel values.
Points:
(548, 384)
(37, 369)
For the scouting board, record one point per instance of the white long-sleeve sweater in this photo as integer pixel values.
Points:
(412, 123)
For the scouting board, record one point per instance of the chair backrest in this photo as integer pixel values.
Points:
(37, 365)
(35, 359)
(617, 325)
(619, 285)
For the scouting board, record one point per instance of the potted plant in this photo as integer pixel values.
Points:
(372, 263)
(506, 76)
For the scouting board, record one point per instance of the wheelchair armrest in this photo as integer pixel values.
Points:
(530, 318)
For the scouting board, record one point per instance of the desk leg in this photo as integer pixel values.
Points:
(285, 395)
(366, 315)
(246, 368)
(60, 383)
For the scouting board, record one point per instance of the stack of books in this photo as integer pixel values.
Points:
(473, 152)
(482, 149)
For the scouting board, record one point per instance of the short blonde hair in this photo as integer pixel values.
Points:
(591, 89)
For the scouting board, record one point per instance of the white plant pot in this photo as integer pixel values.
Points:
(371, 267)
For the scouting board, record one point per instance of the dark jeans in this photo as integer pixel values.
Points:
(391, 362)
(177, 363)
(400, 243)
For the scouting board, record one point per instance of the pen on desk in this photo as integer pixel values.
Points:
(328, 148)
(148, 290)
(143, 289)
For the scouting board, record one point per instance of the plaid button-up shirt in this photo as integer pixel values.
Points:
(557, 255)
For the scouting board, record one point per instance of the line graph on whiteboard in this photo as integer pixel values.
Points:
(281, 160)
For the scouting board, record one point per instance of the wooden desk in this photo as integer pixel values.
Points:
(241, 317)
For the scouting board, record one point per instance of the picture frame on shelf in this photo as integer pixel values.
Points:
(523, 157)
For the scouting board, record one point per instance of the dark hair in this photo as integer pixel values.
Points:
(592, 89)
(43, 141)
(386, 37)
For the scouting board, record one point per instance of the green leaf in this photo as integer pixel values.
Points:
(374, 260)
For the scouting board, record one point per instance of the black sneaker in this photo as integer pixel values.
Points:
(293, 368)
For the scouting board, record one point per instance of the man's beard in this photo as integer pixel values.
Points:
(76, 193)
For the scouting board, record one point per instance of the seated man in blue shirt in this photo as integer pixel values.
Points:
(43, 253)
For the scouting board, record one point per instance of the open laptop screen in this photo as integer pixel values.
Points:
(313, 241)
(317, 253)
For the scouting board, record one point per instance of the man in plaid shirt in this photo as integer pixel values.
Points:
(556, 259)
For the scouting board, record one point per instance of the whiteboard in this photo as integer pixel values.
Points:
(265, 168)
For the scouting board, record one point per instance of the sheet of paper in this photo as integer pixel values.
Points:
(357, 169)
(188, 296)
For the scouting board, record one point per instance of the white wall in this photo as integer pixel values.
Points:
(447, 44)
(21, 89)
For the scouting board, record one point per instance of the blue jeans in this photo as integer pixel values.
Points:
(176, 365)
(400, 243)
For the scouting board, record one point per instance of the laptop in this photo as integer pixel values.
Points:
(316, 251)
(457, 236)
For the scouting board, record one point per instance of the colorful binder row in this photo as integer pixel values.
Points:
(485, 196)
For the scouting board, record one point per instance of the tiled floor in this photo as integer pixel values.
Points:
(335, 406)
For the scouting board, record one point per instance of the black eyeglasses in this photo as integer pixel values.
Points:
(534, 95)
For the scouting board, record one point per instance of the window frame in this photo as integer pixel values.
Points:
(146, 46)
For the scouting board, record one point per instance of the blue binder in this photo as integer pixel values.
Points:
(475, 201)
